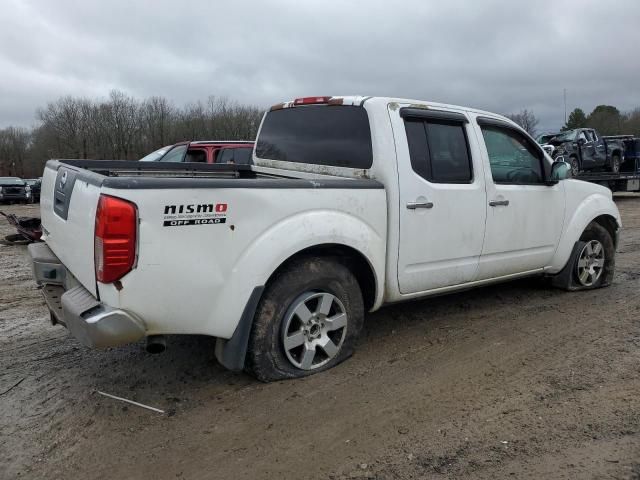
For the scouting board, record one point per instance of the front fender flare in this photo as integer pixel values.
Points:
(592, 207)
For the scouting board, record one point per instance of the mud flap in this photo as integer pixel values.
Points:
(564, 278)
(232, 352)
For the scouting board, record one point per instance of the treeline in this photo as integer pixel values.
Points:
(606, 119)
(119, 127)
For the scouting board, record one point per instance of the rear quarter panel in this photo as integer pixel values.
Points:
(197, 279)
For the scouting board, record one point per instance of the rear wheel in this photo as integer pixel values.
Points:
(614, 166)
(308, 320)
(575, 166)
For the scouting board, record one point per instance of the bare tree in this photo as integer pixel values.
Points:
(14, 144)
(157, 122)
(120, 127)
(527, 120)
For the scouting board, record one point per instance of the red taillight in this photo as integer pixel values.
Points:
(115, 238)
(311, 100)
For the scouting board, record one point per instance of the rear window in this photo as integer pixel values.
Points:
(337, 136)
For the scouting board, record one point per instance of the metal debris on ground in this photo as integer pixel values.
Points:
(29, 229)
(137, 404)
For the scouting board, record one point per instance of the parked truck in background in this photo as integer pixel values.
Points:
(14, 189)
(586, 150)
(631, 145)
(352, 203)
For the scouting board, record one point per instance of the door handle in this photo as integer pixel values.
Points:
(414, 205)
(499, 203)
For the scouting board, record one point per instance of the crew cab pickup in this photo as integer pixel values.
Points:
(352, 203)
(585, 150)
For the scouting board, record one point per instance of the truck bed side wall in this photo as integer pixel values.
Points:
(215, 267)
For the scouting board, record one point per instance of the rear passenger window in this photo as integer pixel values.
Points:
(199, 156)
(439, 150)
(242, 156)
(239, 156)
(225, 156)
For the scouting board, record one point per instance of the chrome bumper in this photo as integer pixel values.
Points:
(93, 323)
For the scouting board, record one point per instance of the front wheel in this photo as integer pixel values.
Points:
(592, 262)
(308, 320)
(575, 166)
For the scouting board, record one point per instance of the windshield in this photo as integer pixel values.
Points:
(546, 137)
(569, 136)
(10, 181)
(176, 154)
(157, 155)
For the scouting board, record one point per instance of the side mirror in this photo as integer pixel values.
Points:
(581, 141)
(560, 170)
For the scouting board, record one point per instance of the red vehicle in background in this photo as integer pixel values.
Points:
(232, 151)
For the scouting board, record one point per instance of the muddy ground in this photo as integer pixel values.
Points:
(511, 381)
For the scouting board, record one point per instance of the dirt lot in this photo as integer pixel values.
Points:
(512, 381)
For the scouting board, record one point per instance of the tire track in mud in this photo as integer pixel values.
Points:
(435, 388)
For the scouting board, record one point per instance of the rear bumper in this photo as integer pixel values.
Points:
(93, 323)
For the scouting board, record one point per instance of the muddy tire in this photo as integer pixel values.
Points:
(308, 320)
(592, 262)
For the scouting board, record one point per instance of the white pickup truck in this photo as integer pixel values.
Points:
(352, 203)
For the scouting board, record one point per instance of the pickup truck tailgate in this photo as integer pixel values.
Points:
(68, 210)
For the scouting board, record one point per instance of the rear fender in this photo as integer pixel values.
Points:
(274, 247)
(305, 230)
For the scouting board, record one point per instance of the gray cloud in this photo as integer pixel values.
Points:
(497, 55)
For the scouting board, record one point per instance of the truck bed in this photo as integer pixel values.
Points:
(123, 174)
(205, 232)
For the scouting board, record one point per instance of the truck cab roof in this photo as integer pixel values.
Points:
(361, 100)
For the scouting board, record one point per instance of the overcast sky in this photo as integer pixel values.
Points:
(501, 56)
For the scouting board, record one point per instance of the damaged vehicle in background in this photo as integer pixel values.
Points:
(348, 207)
(543, 140)
(204, 151)
(585, 149)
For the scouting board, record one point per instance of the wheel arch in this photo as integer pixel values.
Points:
(595, 208)
(610, 224)
(231, 353)
(355, 260)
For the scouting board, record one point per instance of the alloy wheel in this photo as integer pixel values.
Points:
(591, 263)
(314, 330)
